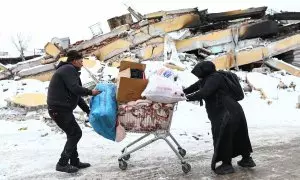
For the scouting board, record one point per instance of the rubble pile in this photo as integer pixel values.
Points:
(230, 39)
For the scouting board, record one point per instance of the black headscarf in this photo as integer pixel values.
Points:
(204, 69)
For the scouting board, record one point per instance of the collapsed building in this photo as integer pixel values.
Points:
(240, 39)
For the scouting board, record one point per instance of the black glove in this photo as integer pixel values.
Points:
(189, 98)
(184, 90)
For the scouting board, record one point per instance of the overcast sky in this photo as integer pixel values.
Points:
(42, 20)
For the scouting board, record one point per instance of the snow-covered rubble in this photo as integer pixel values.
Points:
(266, 84)
(10, 88)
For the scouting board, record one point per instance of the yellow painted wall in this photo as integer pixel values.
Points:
(106, 50)
(175, 23)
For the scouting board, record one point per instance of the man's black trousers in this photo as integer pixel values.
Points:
(66, 121)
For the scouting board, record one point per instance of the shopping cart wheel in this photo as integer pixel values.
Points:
(122, 164)
(186, 167)
(127, 157)
(182, 152)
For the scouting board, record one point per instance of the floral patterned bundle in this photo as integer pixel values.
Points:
(144, 116)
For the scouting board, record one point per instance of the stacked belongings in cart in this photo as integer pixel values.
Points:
(146, 106)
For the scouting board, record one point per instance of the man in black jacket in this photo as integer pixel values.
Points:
(64, 94)
(228, 121)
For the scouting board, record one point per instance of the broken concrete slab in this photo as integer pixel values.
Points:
(154, 15)
(258, 29)
(161, 28)
(286, 16)
(4, 72)
(2, 67)
(256, 54)
(138, 16)
(112, 49)
(61, 43)
(289, 28)
(182, 11)
(255, 13)
(48, 61)
(161, 14)
(281, 65)
(119, 21)
(28, 100)
(96, 41)
(291, 57)
(26, 64)
(174, 24)
(205, 40)
(52, 50)
(228, 61)
(244, 44)
(43, 76)
(284, 45)
(36, 70)
(139, 36)
(151, 51)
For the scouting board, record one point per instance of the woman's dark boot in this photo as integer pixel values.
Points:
(224, 168)
(246, 161)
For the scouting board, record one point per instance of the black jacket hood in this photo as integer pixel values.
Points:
(204, 69)
(61, 63)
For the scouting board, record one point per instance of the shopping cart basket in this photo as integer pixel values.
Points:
(149, 118)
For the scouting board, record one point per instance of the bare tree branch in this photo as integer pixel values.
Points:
(21, 44)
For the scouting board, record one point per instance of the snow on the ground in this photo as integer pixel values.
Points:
(268, 85)
(30, 147)
(10, 88)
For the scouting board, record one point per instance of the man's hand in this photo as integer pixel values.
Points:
(95, 92)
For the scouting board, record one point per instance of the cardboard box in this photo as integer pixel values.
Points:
(124, 73)
(130, 89)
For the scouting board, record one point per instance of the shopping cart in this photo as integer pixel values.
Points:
(149, 118)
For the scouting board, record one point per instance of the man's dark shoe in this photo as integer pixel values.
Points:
(246, 162)
(66, 168)
(224, 169)
(76, 162)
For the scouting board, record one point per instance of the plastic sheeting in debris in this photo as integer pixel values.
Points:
(180, 35)
(170, 53)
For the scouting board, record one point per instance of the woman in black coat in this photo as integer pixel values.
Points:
(228, 121)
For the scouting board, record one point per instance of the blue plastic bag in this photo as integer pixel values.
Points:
(103, 113)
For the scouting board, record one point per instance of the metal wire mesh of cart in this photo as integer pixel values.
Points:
(150, 118)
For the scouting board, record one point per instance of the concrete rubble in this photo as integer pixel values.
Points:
(241, 39)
